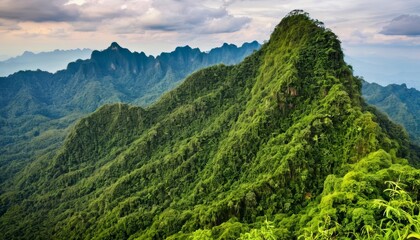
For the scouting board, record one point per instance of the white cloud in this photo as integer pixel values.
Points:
(191, 17)
(159, 15)
(9, 26)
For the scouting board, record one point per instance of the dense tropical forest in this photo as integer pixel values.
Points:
(37, 108)
(279, 146)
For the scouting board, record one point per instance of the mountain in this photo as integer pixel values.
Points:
(279, 146)
(400, 103)
(47, 61)
(37, 108)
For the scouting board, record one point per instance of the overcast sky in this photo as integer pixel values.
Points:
(381, 38)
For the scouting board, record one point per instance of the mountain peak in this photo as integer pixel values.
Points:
(183, 49)
(251, 44)
(314, 55)
(115, 46)
(28, 53)
(228, 45)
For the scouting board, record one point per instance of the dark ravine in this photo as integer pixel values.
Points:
(280, 146)
(36, 107)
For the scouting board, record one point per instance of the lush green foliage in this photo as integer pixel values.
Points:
(402, 215)
(280, 146)
(352, 206)
(37, 108)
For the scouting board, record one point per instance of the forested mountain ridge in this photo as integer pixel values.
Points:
(279, 146)
(37, 107)
(402, 104)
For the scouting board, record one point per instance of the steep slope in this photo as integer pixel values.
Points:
(36, 107)
(47, 61)
(402, 104)
(272, 146)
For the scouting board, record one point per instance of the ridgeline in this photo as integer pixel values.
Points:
(280, 146)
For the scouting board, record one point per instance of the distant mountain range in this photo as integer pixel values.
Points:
(37, 107)
(400, 103)
(279, 146)
(46, 61)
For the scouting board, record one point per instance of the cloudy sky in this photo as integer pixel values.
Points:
(381, 38)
